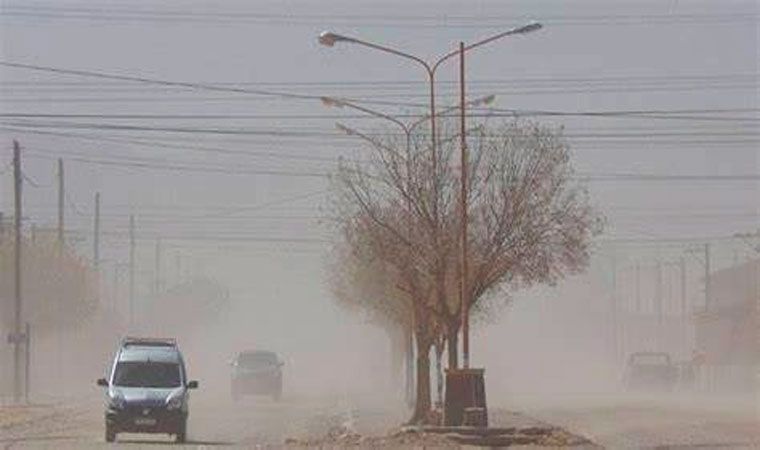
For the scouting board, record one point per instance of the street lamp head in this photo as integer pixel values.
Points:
(487, 100)
(330, 101)
(345, 129)
(532, 26)
(329, 39)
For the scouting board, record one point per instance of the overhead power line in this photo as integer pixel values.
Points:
(158, 165)
(687, 240)
(288, 132)
(592, 177)
(239, 90)
(305, 132)
(551, 80)
(191, 85)
(373, 96)
(698, 115)
(282, 144)
(160, 144)
(229, 237)
(138, 79)
(20, 93)
(142, 15)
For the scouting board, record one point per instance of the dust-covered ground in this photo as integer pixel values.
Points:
(577, 421)
(213, 422)
(664, 420)
(339, 392)
(295, 422)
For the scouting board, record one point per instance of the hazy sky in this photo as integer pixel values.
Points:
(692, 64)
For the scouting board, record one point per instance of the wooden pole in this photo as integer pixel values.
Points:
(96, 234)
(17, 331)
(464, 285)
(61, 197)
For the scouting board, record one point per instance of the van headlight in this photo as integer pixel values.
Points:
(175, 402)
(116, 402)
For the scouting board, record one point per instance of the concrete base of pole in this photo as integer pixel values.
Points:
(465, 400)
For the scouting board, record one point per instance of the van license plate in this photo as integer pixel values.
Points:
(145, 421)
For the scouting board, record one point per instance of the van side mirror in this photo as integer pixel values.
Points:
(192, 384)
(102, 382)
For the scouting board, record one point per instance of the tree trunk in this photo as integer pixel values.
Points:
(409, 367)
(397, 349)
(439, 373)
(422, 402)
(452, 344)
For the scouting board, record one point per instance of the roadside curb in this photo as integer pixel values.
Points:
(548, 435)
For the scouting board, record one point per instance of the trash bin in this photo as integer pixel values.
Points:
(465, 390)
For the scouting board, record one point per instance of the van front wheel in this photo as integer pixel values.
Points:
(110, 433)
(181, 432)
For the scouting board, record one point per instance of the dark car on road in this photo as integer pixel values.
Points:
(653, 371)
(256, 372)
(147, 389)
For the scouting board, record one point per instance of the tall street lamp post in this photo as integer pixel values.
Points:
(407, 130)
(329, 39)
(466, 384)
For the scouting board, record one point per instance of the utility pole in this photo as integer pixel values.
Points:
(116, 281)
(157, 281)
(615, 319)
(27, 361)
(684, 307)
(96, 235)
(707, 276)
(61, 196)
(638, 288)
(464, 285)
(658, 291)
(131, 270)
(17, 180)
(178, 266)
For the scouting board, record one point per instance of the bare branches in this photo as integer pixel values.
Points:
(530, 222)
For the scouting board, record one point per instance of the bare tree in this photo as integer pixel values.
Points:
(64, 293)
(366, 286)
(530, 218)
(530, 222)
(376, 273)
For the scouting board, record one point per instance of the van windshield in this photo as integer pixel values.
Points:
(147, 374)
(257, 359)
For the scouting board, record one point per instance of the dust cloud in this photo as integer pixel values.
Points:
(326, 352)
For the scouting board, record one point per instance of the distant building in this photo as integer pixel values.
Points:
(728, 331)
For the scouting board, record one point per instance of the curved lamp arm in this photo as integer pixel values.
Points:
(329, 39)
(531, 26)
(340, 103)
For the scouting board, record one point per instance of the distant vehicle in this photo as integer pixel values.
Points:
(651, 371)
(147, 389)
(256, 372)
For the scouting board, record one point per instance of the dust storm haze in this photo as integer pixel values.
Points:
(212, 127)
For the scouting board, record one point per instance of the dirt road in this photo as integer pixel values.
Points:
(257, 423)
(213, 422)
